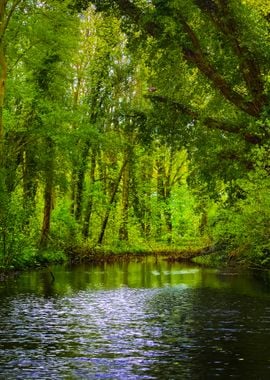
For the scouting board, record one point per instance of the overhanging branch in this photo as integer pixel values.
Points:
(197, 57)
(209, 122)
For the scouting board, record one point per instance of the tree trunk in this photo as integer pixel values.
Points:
(163, 195)
(123, 230)
(29, 178)
(3, 77)
(46, 214)
(141, 189)
(112, 201)
(29, 183)
(80, 181)
(89, 206)
(73, 192)
(48, 196)
(160, 195)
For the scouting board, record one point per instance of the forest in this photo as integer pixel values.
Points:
(134, 126)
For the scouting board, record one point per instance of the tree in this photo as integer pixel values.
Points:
(35, 106)
(7, 9)
(210, 46)
(115, 116)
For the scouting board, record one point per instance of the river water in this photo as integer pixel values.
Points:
(137, 320)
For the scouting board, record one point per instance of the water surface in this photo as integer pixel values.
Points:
(137, 320)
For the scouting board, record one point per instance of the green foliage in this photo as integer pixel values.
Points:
(17, 232)
(64, 228)
(52, 255)
(243, 229)
(143, 127)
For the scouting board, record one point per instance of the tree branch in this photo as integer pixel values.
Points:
(197, 57)
(225, 22)
(5, 21)
(209, 122)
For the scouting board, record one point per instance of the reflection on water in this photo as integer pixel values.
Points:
(133, 320)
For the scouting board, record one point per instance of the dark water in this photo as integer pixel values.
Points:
(135, 321)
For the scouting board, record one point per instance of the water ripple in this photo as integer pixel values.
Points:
(171, 332)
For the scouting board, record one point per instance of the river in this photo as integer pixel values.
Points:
(136, 320)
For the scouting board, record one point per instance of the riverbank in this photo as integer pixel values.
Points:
(84, 254)
(80, 254)
(207, 256)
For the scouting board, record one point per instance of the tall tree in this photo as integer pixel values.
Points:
(7, 8)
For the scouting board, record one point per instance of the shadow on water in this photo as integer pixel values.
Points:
(211, 333)
(135, 320)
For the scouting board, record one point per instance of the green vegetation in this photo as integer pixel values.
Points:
(134, 126)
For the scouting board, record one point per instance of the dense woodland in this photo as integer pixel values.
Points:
(134, 126)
